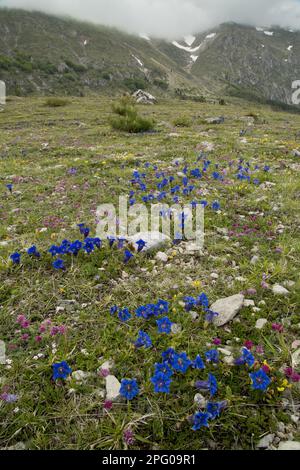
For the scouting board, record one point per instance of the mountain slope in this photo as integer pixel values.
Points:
(46, 54)
(41, 53)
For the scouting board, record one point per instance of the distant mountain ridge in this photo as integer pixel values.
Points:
(45, 54)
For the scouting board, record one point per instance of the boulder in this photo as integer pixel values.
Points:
(112, 387)
(279, 290)
(227, 308)
(289, 445)
(154, 240)
(142, 97)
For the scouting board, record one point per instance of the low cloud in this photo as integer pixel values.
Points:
(170, 18)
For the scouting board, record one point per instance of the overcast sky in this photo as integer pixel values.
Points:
(170, 18)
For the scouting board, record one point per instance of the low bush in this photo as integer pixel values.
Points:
(56, 102)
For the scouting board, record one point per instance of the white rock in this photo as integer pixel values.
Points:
(289, 445)
(200, 400)
(79, 375)
(227, 308)
(279, 290)
(112, 387)
(249, 303)
(254, 260)
(214, 275)
(260, 323)
(296, 358)
(224, 351)
(154, 240)
(107, 365)
(160, 256)
(266, 441)
(175, 328)
(229, 360)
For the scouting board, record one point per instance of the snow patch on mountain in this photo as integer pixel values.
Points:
(189, 40)
(144, 36)
(210, 36)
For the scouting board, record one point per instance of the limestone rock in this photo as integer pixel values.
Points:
(227, 308)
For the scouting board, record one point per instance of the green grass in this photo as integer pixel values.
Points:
(38, 147)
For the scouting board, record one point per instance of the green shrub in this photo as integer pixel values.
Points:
(127, 118)
(222, 102)
(134, 84)
(124, 107)
(56, 102)
(182, 121)
(161, 84)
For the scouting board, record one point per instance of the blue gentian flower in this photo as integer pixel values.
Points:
(200, 420)
(61, 370)
(163, 369)
(163, 306)
(198, 363)
(33, 252)
(54, 250)
(88, 245)
(204, 203)
(58, 264)
(210, 385)
(121, 242)
(216, 206)
(124, 315)
(111, 241)
(168, 355)
(260, 380)
(141, 245)
(143, 340)
(203, 300)
(75, 247)
(212, 356)
(181, 362)
(248, 357)
(161, 383)
(164, 325)
(16, 258)
(214, 409)
(210, 315)
(113, 309)
(129, 389)
(266, 168)
(127, 256)
(9, 187)
(97, 242)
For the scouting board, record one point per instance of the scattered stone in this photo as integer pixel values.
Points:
(296, 358)
(254, 260)
(279, 290)
(266, 441)
(194, 315)
(295, 418)
(229, 360)
(261, 322)
(215, 120)
(175, 328)
(112, 387)
(249, 303)
(214, 275)
(224, 351)
(79, 375)
(296, 344)
(200, 400)
(296, 153)
(289, 445)
(289, 284)
(18, 446)
(160, 256)
(154, 240)
(227, 308)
